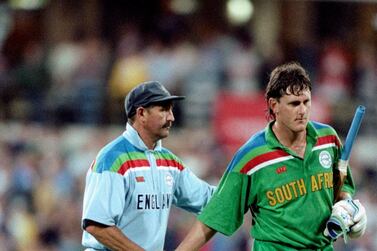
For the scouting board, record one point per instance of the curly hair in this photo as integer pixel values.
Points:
(289, 78)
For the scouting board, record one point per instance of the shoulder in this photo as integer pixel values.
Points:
(325, 135)
(323, 129)
(249, 154)
(256, 141)
(116, 153)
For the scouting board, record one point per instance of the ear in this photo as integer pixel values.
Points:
(273, 105)
(140, 114)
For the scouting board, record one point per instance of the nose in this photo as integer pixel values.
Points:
(302, 109)
(170, 115)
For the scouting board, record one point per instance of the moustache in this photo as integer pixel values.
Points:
(167, 125)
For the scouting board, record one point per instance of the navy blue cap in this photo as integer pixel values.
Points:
(146, 94)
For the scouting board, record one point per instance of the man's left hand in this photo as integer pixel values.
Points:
(348, 217)
(360, 221)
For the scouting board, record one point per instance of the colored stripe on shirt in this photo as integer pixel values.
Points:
(161, 163)
(122, 163)
(138, 163)
(326, 141)
(167, 160)
(265, 159)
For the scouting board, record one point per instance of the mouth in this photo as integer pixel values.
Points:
(167, 126)
(301, 120)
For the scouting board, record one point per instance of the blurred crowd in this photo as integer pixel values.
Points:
(60, 103)
(85, 79)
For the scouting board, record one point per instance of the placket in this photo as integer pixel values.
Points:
(153, 165)
(308, 152)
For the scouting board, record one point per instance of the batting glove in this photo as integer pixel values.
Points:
(360, 221)
(348, 218)
(340, 220)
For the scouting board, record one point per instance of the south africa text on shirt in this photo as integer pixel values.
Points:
(298, 188)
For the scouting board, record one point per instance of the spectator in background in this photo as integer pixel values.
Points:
(129, 67)
(204, 82)
(33, 80)
(89, 80)
(242, 66)
(8, 92)
(64, 60)
(334, 73)
(366, 82)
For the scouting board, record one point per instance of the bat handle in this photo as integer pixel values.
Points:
(342, 166)
(351, 136)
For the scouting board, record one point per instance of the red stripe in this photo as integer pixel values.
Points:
(328, 139)
(170, 163)
(132, 164)
(263, 158)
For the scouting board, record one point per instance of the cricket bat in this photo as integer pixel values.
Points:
(346, 151)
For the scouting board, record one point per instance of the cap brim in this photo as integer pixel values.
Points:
(170, 98)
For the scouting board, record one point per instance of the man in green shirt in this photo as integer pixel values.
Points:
(285, 175)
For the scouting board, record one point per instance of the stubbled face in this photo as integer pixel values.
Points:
(292, 111)
(158, 120)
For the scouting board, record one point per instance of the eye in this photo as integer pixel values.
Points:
(295, 103)
(166, 108)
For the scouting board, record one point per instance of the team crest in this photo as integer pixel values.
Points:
(169, 180)
(325, 159)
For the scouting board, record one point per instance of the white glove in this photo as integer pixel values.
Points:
(340, 220)
(348, 217)
(360, 221)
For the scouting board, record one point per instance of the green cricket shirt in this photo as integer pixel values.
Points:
(290, 197)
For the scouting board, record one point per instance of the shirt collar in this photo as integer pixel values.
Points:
(311, 135)
(271, 137)
(133, 137)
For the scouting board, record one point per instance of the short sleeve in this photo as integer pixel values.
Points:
(226, 209)
(191, 193)
(103, 197)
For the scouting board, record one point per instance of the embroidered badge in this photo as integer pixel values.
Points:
(325, 159)
(169, 180)
(281, 169)
(140, 179)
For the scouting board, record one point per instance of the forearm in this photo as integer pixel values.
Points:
(113, 238)
(196, 238)
(344, 196)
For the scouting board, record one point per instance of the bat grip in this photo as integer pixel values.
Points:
(342, 166)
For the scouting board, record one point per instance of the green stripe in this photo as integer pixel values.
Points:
(126, 157)
(167, 156)
(251, 155)
(121, 159)
(95, 166)
(326, 131)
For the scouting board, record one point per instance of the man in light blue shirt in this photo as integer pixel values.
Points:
(133, 181)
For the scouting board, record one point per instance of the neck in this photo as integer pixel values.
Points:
(151, 144)
(288, 137)
(148, 140)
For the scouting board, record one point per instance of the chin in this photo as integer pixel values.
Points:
(165, 133)
(300, 128)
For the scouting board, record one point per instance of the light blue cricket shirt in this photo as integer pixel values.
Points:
(133, 188)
